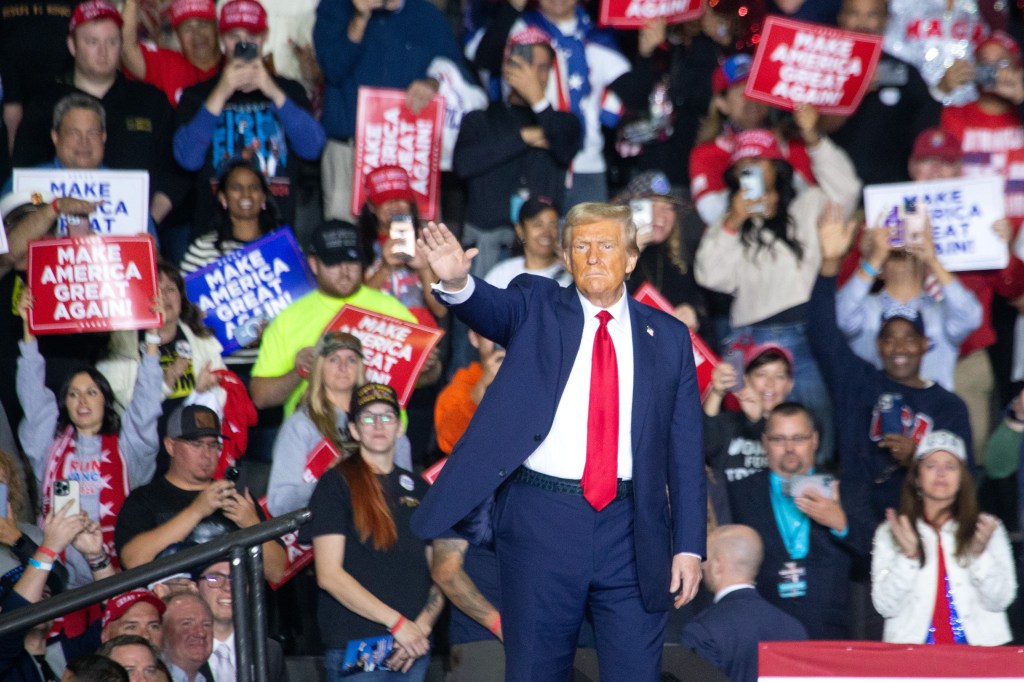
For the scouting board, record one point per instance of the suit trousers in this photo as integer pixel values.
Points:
(559, 560)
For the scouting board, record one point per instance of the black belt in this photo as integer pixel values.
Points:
(566, 486)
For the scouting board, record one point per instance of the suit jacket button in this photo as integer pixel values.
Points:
(538, 437)
(501, 473)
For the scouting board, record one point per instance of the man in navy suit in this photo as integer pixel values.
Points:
(811, 536)
(727, 633)
(591, 436)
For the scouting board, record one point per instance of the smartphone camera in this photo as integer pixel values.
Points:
(524, 52)
(246, 51)
(985, 75)
(61, 488)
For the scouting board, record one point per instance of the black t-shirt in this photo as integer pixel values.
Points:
(157, 503)
(733, 445)
(33, 45)
(399, 577)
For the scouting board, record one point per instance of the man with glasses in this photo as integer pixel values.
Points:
(812, 535)
(286, 354)
(186, 503)
(216, 590)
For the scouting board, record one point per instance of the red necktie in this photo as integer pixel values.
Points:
(599, 475)
(941, 614)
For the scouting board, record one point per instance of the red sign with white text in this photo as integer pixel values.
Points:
(394, 351)
(321, 458)
(703, 356)
(92, 284)
(638, 13)
(388, 134)
(802, 63)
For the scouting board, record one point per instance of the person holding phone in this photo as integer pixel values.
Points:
(80, 436)
(373, 572)
(764, 250)
(388, 225)
(942, 572)
(245, 111)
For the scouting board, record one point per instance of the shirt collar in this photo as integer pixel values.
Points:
(729, 590)
(619, 310)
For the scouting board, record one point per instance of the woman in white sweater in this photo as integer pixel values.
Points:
(941, 572)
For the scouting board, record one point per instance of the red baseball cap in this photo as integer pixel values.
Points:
(936, 143)
(758, 143)
(387, 183)
(752, 353)
(94, 10)
(119, 605)
(1003, 40)
(183, 10)
(245, 14)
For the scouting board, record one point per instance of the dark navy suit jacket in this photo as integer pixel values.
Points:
(726, 634)
(541, 324)
(824, 610)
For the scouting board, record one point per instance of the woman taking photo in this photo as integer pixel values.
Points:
(942, 573)
(80, 436)
(537, 233)
(322, 415)
(373, 573)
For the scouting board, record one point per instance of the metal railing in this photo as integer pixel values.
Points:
(245, 554)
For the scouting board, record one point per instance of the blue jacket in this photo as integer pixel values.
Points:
(541, 325)
(396, 49)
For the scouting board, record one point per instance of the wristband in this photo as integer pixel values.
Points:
(34, 563)
(47, 551)
(100, 563)
(495, 627)
(55, 206)
(152, 339)
(868, 268)
(398, 624)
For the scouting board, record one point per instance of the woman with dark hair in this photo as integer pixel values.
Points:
(245, 212)
(941, 572)
(764, 250)
(390, 266)
(537, 238)
(373, 573)
(80, 436)
(189, 356)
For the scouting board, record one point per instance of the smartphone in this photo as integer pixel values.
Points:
(3, 500)
(246, 51)
(404, 234)
(643, 214)
(65, 491)
(233, 474)
(985, 75)
(734, 356)
(752, 184)
(913, 221)
(524, 52)
(890, 413)
(801, 484)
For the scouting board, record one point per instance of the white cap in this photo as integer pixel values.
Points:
(947, 441)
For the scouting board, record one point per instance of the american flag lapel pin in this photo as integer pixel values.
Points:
(650, 332)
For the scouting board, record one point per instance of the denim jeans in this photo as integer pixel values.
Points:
(333, 659)
(809, 387)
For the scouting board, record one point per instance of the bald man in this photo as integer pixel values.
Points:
(727, 633)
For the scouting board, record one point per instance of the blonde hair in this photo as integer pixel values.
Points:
(318, 407)
(16, 494)
(591, 212)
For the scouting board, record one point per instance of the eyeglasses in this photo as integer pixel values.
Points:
(216, 579)
(369, 419)
(798, 439)
(211, 445)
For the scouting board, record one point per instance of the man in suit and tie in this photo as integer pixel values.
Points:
(591, 436)
(727, 633)
(811, 535)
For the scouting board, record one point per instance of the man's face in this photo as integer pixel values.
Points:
(198, 38)
(193, 461)
(141, 619)
(558, 10)
(864, 16)
(790, 442)
(933, 169)
(599, 260)
(901, 348)
(96, 47)
(188, 633)
(138, 661)
(215, 589)
(337, 281)
(80, 139)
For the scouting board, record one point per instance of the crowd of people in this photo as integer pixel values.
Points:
(862, 423)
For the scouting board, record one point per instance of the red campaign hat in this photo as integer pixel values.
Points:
(936, 143)
(94, 10)
(759, 143)
(119, 605)
(752, 353)
(387, 183)
(245, 14)
(1004, 40)
(183, 10)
